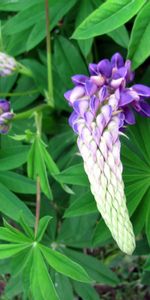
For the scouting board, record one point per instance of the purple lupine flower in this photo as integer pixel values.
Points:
(102, 106)
(5, 116)
(7, 64)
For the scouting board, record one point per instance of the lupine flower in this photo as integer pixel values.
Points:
(7, 64)
(102, 106)
(5, 116)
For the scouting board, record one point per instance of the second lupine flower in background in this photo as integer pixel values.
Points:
(102, 106)
(5, 116)
(7, 64)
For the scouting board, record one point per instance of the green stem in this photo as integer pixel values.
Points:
(28, 113)
(24, 70)
(19, 94)
(38, 122)
(49, 63)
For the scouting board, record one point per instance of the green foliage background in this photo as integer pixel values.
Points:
(60, 262)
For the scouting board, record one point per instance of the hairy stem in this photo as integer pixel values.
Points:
(28, 113)
(49, 63)
(38, 205)
(38, 122)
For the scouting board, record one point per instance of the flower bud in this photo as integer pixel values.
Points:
(7, 65)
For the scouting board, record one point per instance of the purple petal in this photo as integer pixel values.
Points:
(90, 87)
(129, 116)
(89, 117)
(80, 106)
(79, 79)
(93, 69)
(4, 105)
(94, 104)
(67, 95)
(121, 119)
(117, 60)
(2, 121)
(107, 112)
(76, 93)
(130, 74)
(103, 93)
(4, 129)
(142, 90)
(99, 80)
(105, 68)
(120, 73)
(145, 108)
(100, 120)
(7, 116)
(73, 117)
(116, 83)
(127, 96)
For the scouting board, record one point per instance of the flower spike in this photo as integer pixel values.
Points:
(102, 107)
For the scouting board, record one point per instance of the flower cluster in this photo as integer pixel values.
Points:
(102, 106)
(7, 64)
(5, 116)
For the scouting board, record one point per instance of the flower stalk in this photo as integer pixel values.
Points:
(38, 122)
(50, 99)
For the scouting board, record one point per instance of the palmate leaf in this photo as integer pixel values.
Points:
(109, 16)
(97, 270)
(13, 158)
(83, 205)
(86, 292)
(36, 166)
(9, 250)
(18, 183)
(13, 207)
(41, 284)
(43, 223)
(65, 265)
(61, 282)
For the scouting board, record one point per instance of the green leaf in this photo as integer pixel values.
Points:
(147, 221)
(13, 236)
(43, 223)
(19, 22)
(97, 270)
(16, 5)
(41, 284)
(13, 158)
(83, 205)
(64, 265)
(20, 261)
(64, 50)
(9, 250)
(13, 207)
(86, 292)
(120, 36)
(18, 183)
(61, 282)
(36, 166)
(24, 84)
(51, 165)
(85, 8)
(101, 234)
(25, 226)
(139, 47)
(109, 16)
(139, 217)
(80, 231)
(73, 175)
(57, 10)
